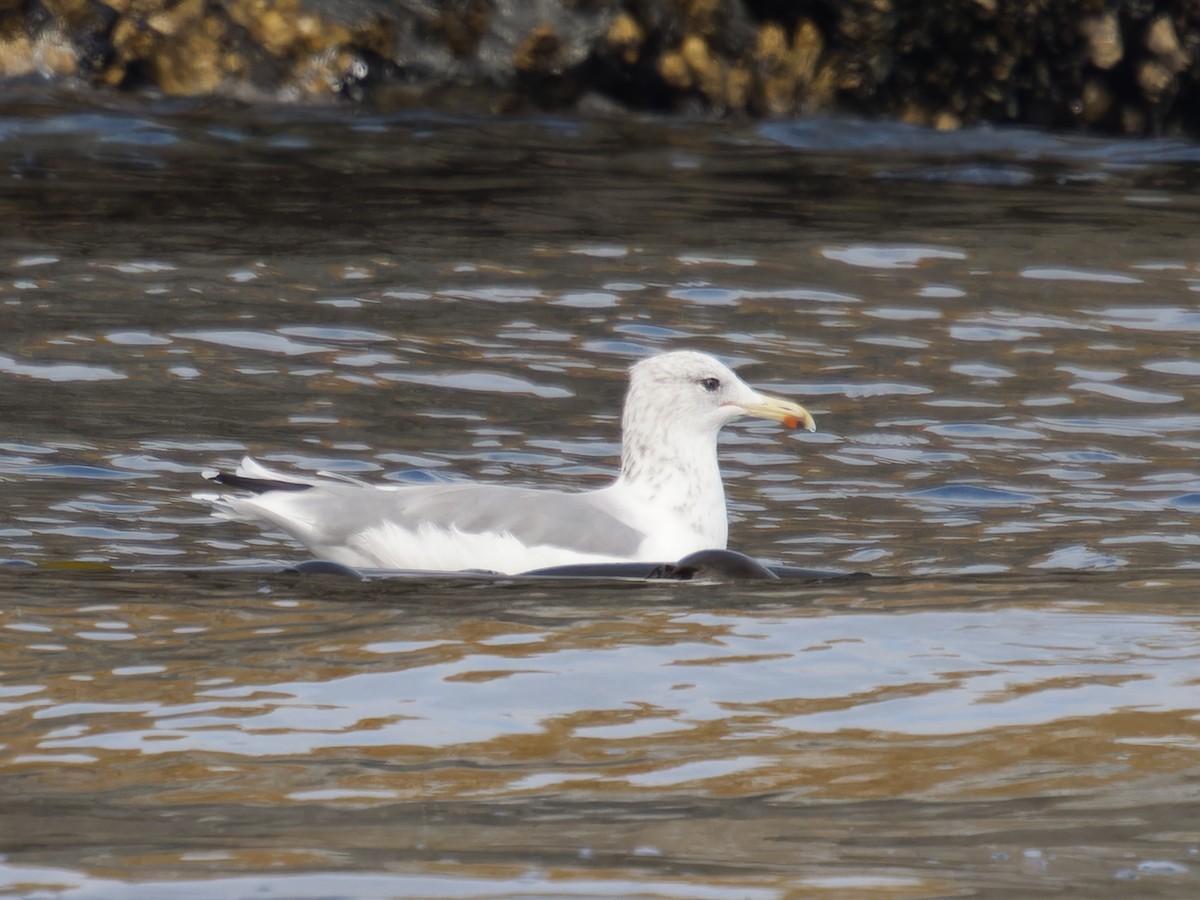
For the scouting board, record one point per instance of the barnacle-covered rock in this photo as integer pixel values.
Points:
(1120, 66)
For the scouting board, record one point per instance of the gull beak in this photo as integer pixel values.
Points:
(791, 414)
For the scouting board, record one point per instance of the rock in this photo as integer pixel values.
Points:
(707, 69)
(1163, 42)
(1122, 66)
(1103, 36)
(1154, 78)
(1095, 101)
(625, 38)
(675, 71)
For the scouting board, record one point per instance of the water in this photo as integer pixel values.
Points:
(997, 333)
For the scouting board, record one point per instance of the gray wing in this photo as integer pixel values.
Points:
(582, 521)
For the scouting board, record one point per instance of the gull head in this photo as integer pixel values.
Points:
(685, 393)
(677, 404)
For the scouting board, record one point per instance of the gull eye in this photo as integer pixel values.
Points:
(710, 384)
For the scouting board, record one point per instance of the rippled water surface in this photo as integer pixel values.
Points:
(997, 333)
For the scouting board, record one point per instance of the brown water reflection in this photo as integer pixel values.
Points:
(928, 736)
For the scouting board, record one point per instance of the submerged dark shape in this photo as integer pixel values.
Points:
(323, 567)
(704, 565)
(717, 565)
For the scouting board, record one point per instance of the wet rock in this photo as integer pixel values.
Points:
(790, 78)
(1095, 102)
(1163, 42)
(625, 38)
(1123, 66)
(48, 55)
(1102, 33)
(707, 69)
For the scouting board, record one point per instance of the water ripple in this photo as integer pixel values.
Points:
(974, 495)
(59, 371)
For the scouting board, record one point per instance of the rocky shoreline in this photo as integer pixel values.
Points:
(1132, 67)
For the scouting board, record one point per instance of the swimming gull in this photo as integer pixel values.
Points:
(667, 502)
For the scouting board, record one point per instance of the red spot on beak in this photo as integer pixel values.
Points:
(791, 421)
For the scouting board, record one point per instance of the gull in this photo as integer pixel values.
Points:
(667, 502)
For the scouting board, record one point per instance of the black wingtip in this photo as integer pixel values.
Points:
(254, 485)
